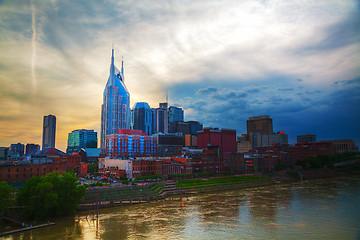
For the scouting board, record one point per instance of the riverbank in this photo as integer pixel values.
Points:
(24, 229)
(112, 197)
(274, 179)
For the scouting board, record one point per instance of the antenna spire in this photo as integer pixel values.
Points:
(167, 96)
(122, 65)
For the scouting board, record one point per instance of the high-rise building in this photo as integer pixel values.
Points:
(49, 129)
(32, 149)
(195, 127)
(260, 124)
(115, 111)
(4, 153)
(307, 137)
(176, 114)
(279, 138)
(257, 126)
(81, 138)
(179, 127)
(16, 150)
(190, 127)
(142, 117)
(161, 117)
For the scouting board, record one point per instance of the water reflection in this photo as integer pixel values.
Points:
(326, 209)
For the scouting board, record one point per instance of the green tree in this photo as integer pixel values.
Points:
(6, 199)
(51, 195)
(93, 168)
(69, 193)
(37, 197)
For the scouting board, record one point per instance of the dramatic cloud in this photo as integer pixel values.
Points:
(332, 113)
(227, 58)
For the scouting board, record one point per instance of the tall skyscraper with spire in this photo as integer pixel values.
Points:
(115, 110)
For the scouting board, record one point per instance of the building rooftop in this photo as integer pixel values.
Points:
(141, 105)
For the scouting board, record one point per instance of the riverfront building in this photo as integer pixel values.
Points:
(81, 138)
(49, 129)
(130, 143)
(115, 111)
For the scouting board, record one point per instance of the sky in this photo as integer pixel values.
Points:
(221, 61)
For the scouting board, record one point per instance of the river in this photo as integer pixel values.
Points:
(318, 209)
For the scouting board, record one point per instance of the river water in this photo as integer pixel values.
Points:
(321, 209)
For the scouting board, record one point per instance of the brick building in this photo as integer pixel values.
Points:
(346, 145)
(306, 149)
(147, 167)
(21, 173)
(171, 166)
(225, 139)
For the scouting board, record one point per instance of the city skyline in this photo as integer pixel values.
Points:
(222, 62)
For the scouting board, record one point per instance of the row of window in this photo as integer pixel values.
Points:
(31, 169)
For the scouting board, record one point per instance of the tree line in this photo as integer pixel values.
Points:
(41, 197)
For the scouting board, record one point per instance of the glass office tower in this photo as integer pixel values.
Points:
(115, 111)
(142, 117)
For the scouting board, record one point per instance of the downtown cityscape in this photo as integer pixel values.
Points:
(144, 141)
(253, 106)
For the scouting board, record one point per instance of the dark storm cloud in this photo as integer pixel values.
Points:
(310, 92)
(322, 112)
(285, 89)
(355, 81)
(253, 90)
(208, 90)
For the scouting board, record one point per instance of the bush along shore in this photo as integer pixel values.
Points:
(40, 199)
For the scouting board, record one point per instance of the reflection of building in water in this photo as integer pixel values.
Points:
(264, 202)
(222, 206)
(144, 221)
